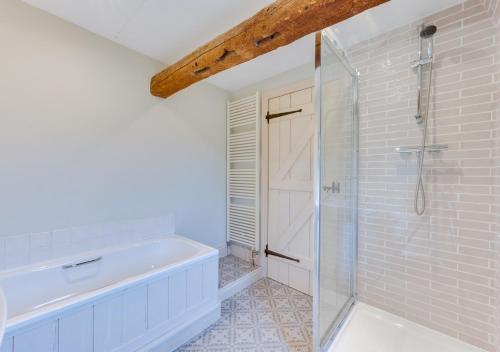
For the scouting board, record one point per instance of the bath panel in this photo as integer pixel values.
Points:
(159, 292)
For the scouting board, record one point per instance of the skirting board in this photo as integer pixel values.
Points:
(183, 333)
(240, 284)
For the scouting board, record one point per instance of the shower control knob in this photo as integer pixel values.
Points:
(334, 188)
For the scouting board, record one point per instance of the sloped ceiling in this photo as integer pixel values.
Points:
(166, 30)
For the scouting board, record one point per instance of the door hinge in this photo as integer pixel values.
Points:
(276, 254)
(273, 116)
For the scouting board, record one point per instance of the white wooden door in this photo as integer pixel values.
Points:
(290, 193)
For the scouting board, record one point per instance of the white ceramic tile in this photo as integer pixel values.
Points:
(61, 242)
(17, 251)
(38, 247)
(40, 240)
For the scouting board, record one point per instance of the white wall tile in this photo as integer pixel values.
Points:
(34, 248)
(17, 251)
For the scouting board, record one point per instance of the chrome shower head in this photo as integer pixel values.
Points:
(428, 31)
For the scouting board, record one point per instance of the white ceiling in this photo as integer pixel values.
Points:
(166, 30)
(386, 17)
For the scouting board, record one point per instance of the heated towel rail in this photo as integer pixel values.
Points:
(243, 154)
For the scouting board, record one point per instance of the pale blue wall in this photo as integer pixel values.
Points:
(82, 140)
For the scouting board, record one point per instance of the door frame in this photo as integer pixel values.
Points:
(264, 159)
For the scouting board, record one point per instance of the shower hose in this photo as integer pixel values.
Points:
(419, 189)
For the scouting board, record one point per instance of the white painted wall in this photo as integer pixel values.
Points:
(83, 141)
(280, 80)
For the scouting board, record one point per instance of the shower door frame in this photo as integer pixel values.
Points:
(326, 36)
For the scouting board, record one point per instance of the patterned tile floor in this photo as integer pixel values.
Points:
(266, 316)
(232, 268)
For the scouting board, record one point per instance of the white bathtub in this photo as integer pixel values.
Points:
(118, 299)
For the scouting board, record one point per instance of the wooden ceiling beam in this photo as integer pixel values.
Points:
(278, 24)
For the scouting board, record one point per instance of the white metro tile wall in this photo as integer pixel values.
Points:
(33, 248)
(493, 7)
(438, 269)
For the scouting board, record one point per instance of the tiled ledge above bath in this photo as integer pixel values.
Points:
(27, 249)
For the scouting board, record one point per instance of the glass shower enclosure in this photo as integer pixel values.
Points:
(336, 190)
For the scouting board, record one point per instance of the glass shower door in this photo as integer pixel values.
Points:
(337, 196)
